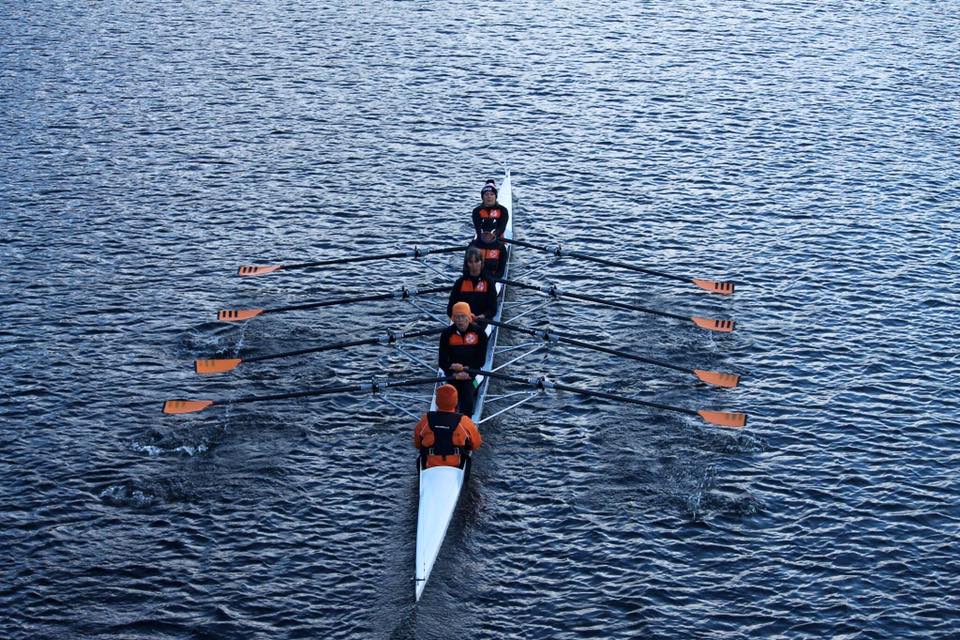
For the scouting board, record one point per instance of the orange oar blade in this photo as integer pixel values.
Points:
(724, 418)
(216, 365)
(185, 406)
(715, 286)
(717, 378)
(724, 326)
(253, 270)
(237, 315)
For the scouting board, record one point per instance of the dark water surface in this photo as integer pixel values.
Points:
(807, 150)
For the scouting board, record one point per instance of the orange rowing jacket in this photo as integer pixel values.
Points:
(464, 435)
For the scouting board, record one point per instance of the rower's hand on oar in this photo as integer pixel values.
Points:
(459, 372)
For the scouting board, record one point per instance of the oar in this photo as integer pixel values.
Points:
(719, 418)
(192, 406)
(724, 326)
(716, 378)
(416, 252)
(222, 365)
(713, 286)
(236, 315)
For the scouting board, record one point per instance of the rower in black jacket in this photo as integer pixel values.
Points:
(494, 250)
(490, 208)
(463, 345)
(475, 288)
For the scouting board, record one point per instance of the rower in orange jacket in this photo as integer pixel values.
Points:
(445, 438)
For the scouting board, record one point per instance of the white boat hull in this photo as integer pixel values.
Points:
(440, 486)
(439, 492)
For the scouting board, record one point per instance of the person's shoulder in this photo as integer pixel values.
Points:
(467, 423)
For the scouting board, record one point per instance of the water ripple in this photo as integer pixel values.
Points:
(806, 151)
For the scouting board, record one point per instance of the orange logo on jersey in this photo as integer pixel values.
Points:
(491, 254)
(490, 213)
(470, 338)
(467, 286)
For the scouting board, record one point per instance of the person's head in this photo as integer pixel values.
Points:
(488, 230)
(447, 398)
(473, 262)
(461, 315)
(489, 193)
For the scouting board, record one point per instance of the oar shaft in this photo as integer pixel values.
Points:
(372, 387)
(390, 337)
(330, 303)
(619, 398)
(560, 251)
(402, 294)
(375, 386)
(554, 291)
(543, 383)
(416, 252)
(553, 335)
(622, 305)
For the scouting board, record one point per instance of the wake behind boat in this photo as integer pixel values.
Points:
(440, 487)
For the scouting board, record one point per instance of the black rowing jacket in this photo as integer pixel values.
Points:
(468, 348)
(480, 293)
(494, 257)
(498, 212)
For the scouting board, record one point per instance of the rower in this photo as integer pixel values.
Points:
(475, 288)
(490, 208)
(445, 438)
(463, 345)
(494, 250)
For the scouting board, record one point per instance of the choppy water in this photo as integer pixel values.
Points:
(806, 150)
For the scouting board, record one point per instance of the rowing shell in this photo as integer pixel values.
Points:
(440, 486)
